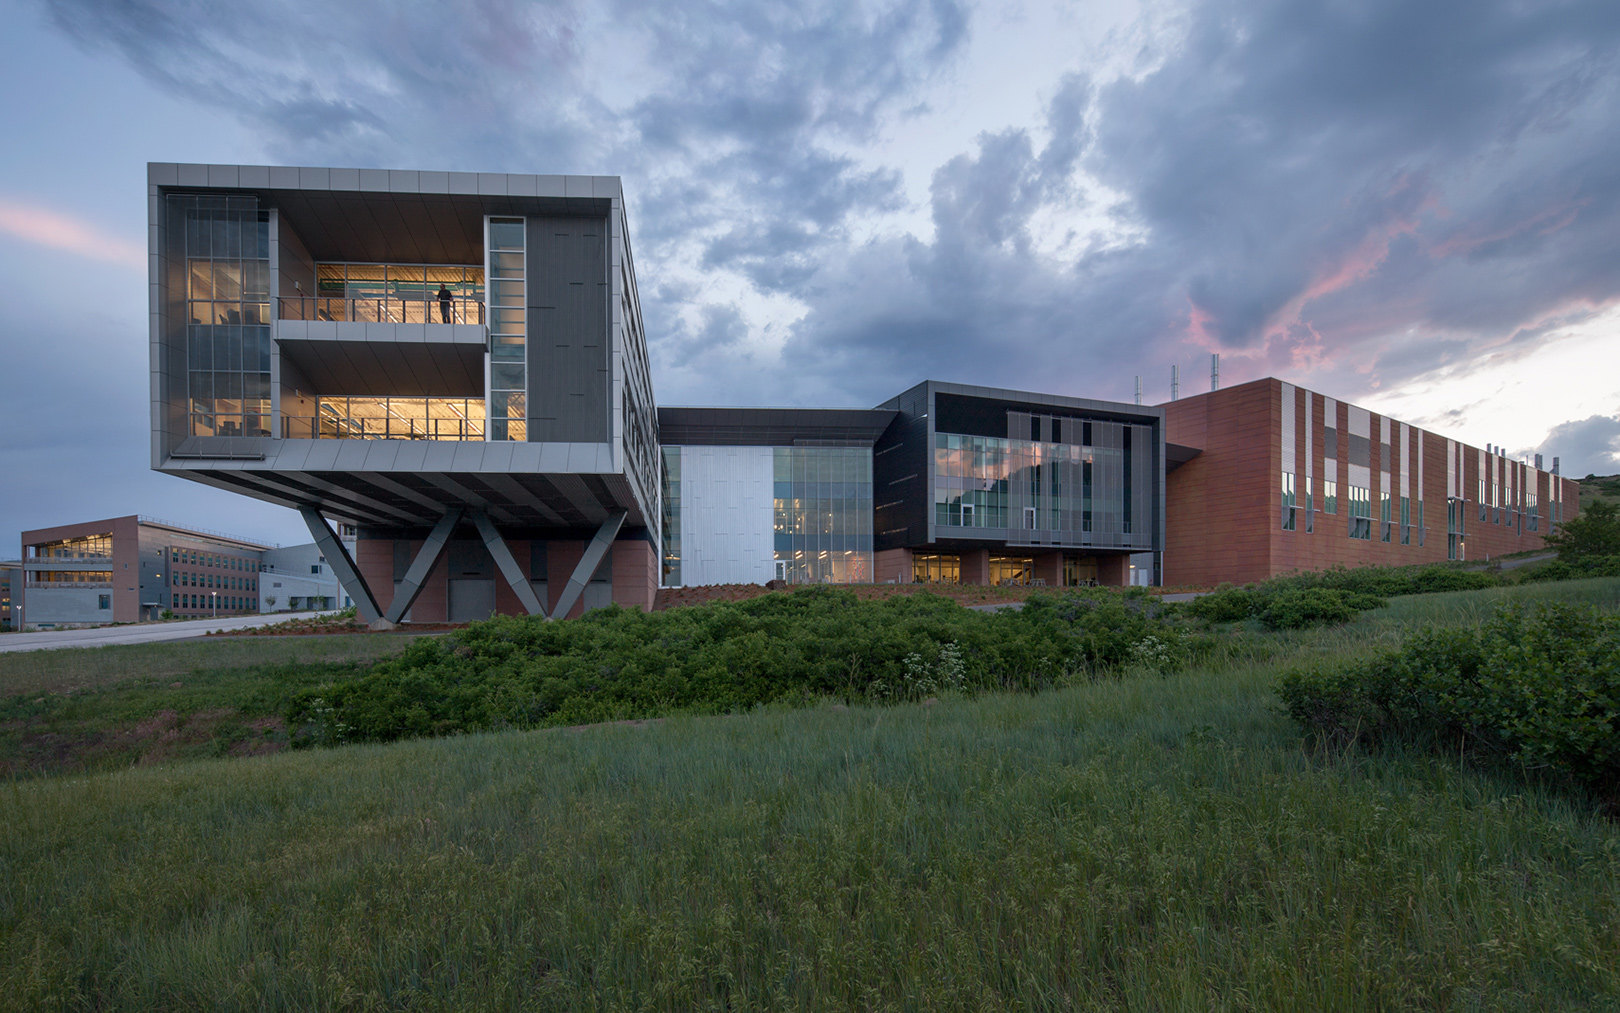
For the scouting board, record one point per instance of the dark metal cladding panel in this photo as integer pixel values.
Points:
(570, 352)
(902, 495)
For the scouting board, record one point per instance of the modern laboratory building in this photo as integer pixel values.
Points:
(455, 365)
(452, 362)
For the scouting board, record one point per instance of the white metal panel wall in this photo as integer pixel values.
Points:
(1288, 462)
(1360, 425)
(728, 515)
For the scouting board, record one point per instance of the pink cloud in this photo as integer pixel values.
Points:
(1546, 223)
(33, 224)
(1197, 332)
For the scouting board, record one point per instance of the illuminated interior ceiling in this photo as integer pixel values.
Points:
(453, 368)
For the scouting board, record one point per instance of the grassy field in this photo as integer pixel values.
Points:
(1605, 487)
(107, 707)
(1160, 842)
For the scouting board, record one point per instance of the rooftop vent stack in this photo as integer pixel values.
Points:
(1138, 390)
(1538, 462)
(1214, 372)
(1175, 382)
(1555, 466)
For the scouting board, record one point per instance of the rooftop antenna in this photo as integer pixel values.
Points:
(1175, 382)
(1214, 372)
(1138, 390)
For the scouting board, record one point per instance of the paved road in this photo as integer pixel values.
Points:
(140, 633)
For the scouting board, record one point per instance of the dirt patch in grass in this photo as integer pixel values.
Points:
(165, 736)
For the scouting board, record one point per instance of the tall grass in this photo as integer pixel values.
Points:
(1161, 843)
(68, 670)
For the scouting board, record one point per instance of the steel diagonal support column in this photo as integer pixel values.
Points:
(588, 564)
(337, 557)
(502, 554)
(422, 565)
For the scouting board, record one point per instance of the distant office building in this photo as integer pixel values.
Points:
(1289, 479)
(134, 569)
(454, 365)
(10, 577)
(130, 569)
(297, 578)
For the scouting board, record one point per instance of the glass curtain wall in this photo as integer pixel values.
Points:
(823, 504)
(83, 547)
(1072, 492)
(508, 368)
(390, 418)
(930, 568)
(392, 293)
(227, 279)
(672, 517)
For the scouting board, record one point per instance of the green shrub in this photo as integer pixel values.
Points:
(1594, 533)
(1294, 609)
(1282, 603)
(1226, 604)
(817, 642)
(1539, 686)
(1561, 569)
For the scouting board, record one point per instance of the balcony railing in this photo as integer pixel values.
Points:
(329, 427)
(381, 310)
(70, 584)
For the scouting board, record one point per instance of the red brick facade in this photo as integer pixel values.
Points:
(1224, 516)
(635, 576)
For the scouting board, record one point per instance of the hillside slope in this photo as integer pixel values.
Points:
(1149, 842)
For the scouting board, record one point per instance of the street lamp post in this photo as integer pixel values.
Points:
(215, 596)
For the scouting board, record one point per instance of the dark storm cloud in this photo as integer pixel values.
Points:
(1359, 192)
(1589, 446)
(363, 84)
(1350, 194)
(1353, 158)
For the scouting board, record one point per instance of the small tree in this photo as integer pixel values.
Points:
(1590, 534)
(270, 602)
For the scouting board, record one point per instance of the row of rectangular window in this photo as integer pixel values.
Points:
(194, 557)
(1359, 525)
(230, 603)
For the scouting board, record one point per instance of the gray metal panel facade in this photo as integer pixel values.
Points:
(570, 353)
(772, 427)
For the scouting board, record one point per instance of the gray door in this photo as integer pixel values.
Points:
(471, 599)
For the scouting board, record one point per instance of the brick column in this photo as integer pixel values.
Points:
(1049, 567)
(892, 566)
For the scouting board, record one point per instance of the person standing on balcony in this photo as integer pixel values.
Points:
(444, 302)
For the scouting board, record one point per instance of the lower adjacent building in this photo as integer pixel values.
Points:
(1288, 479)
(942, 483)
(135, 569)
(298, 578)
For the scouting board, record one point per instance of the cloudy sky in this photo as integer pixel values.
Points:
(1412, 206)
